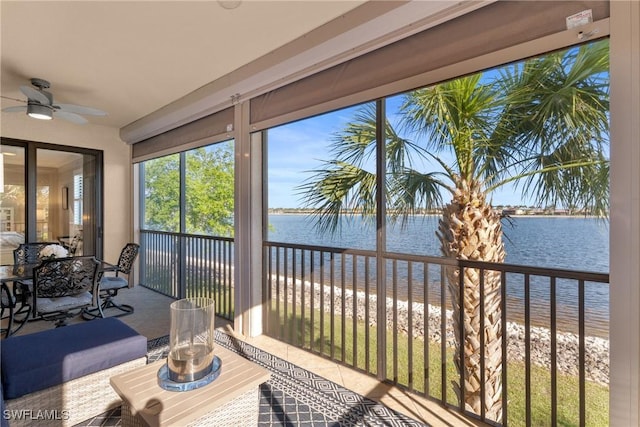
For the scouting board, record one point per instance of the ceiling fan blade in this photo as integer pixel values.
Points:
(72, 117)
(35, 95)
(15, 109)
(79, 109)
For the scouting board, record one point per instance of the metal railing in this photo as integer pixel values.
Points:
(187, 265)
(553, 325)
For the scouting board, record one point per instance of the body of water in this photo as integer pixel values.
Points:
(572, 243)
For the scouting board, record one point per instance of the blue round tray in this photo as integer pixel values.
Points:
(167, 384)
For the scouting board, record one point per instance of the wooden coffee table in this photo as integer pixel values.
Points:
(232, 399)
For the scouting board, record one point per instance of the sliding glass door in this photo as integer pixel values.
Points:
(50, 193)
(12, 200)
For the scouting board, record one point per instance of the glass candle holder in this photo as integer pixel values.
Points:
(191, 339)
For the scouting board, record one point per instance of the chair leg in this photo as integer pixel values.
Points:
(125, 308)
(20, 320)
(93, 313)
(60, 322)
(61, 319)
(7, 331)
(107, 303)
(19, 312)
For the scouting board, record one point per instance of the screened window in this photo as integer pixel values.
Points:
(190, 192)
(209, 190)
(161, 180)
(301, 173)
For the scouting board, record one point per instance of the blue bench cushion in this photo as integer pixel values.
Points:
(44, 359)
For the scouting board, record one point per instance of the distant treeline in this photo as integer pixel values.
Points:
(504, 210)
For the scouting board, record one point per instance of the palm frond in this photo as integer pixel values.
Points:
(410, 191)
(338, 189)
(542, 124)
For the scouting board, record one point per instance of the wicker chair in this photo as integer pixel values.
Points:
(63, 287)
(110, 285)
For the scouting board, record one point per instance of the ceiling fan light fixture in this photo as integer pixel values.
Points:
(41, 112)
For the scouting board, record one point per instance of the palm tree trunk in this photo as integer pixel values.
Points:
(471, 230)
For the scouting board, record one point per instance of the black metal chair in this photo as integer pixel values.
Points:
(64, 287)
(18, 303)
(7, 305)
(109, 285)
(29, 253)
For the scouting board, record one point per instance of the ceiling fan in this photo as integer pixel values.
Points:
(40, 105)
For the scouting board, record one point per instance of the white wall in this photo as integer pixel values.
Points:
(625, 215)
(117, 169)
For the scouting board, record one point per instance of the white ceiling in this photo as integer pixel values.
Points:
(131, 59)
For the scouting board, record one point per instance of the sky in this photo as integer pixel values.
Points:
(299, 147)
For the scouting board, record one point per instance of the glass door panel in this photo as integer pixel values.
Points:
(66, 200)
(12, 201)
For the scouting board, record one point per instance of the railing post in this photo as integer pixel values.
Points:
(182, 268)
(381, 239)
(461, 346)
(142, 262)
(505, 344)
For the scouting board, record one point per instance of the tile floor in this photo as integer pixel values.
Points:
(151, 319)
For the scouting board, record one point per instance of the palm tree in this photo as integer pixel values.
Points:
(541, 125)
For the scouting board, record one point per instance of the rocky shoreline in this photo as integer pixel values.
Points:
(567, 344)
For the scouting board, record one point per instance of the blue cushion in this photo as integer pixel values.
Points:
(113, 282)
(44, 359)
(52, 305)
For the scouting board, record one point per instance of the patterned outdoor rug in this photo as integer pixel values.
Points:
(293, 396)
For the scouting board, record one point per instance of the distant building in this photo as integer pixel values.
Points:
(513, 211)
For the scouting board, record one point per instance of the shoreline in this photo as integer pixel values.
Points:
(567, 343)
(292, 211)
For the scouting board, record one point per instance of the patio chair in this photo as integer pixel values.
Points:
(7, 305)
(109, 285)
(25, 253)
(15, 308)
(29, 253)
(63, 287)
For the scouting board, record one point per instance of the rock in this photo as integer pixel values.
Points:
(567, 344)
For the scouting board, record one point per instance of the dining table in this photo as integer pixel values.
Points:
(14, 291)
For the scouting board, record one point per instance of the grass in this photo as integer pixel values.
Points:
(411, 372)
